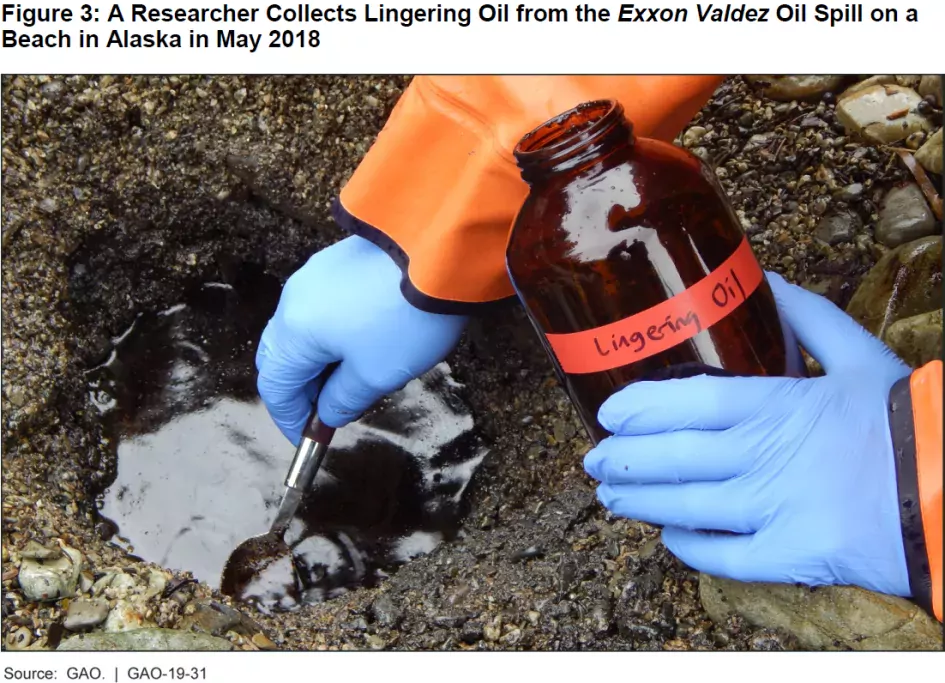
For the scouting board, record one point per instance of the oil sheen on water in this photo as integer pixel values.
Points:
(201, 465)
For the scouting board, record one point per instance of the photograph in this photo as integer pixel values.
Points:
(470, 363)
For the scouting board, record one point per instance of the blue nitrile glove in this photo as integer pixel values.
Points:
(345, 304)
(801, 470)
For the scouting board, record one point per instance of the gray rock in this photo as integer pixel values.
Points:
(930, 154)
(931, 86)
(51, 90)
(904, 217)
(917, 340)
(882, 113)
(906, 282)
(386, 612)
(838, 227)
(48, 205)
(216, 619)
(788, 88)
(850, 192)
(145, 639)
(85, 614)
(828, 618)
(48, 579)
(206, 619)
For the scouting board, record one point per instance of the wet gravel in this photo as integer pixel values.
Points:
(120, 191)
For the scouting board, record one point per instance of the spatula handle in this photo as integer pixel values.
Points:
(316, 437)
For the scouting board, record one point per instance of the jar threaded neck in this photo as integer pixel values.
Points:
(578, 136)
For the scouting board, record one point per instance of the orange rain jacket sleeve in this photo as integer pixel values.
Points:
(439, 189)
(915, 418)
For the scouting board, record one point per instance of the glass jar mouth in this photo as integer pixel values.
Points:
(568, 132)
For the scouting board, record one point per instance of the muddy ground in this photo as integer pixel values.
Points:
(119, 192)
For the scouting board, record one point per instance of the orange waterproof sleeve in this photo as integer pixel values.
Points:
(916, 423)
(439, 189)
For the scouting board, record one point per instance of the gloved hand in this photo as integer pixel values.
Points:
(801, 470)
(345, 304)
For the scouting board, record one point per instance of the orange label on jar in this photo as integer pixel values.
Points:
(665, 325)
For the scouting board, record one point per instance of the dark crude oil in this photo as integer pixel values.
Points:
(200, 465)
(614, 227)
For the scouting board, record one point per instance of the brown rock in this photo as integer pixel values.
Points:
(882, 113)
(906, 282)
(931, 85)
(829, 618)
(930, 154)
(917, 340)
(788, 88)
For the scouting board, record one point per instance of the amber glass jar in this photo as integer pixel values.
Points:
(631, 263)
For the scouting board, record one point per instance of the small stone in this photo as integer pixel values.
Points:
(788, 88)
(85, 614)
(905, 216)
(50, 579)
(838, 227)
(375, 642)
(533, 617)
(930, 154)
(692, 136)
(371, 101)
(916, 140)
(19, 639)
(601, 616)
(529, 553)
(82, 163)
(126, 615)
(240, 95)
(157, 582)
(931, 86)
(702, 153)
(448, 621)
(760, 140)
(883, 113)
(263, 642)
(146, 639)
(386, 612)
(917, 340)
(48, 205)
(52, 90)
(850, 192)
(905, 282)
(472, 632)
(208, 619)
(492, 632)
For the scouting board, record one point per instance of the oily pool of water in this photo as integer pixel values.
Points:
(201, 465)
